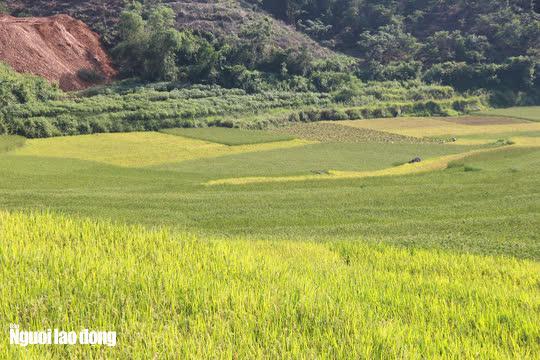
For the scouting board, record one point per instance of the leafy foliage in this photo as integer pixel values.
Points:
(18, 88)
(509, 28)
(131, 107)
(390, 35)
(153, 49)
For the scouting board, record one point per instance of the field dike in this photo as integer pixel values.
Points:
(174, 295)
(428, 165)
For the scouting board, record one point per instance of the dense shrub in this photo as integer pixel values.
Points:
(165, 105)
(517, 74)
(22, 89)
(151, 48)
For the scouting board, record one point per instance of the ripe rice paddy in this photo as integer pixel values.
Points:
(138, 148)
(433, 127)
(172, 295)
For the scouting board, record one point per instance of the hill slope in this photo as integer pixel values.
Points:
(56, 48)
(206, 16)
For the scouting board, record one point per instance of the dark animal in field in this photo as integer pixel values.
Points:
(415, 160)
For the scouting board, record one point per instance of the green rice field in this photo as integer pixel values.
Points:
(227, 136)
(526, 112)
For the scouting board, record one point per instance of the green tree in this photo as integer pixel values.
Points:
(130, 51)
(389, 44)
(154, 50)
(254, 46)
(164, 42)
(444, 46)
(315, 28)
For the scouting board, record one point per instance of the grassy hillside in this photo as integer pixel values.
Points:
(22, 89)
(183, 296)
(491, 46)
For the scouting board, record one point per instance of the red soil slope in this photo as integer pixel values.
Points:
(55, 47)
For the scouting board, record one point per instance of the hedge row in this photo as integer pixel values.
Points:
(452, 107)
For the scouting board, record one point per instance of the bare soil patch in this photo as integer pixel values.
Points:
(56, 48)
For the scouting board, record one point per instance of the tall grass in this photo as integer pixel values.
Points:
(176, 296)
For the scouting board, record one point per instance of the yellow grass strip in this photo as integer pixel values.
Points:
(139, 149)
(526, 141)
(428, 165)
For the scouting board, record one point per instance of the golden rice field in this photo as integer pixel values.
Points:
(438, 127)
(173, 295)
(138, 149)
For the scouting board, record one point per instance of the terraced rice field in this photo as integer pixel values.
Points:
(332, 132)
(328, 246)
(426, 165)
(137, 149)
(312, 159)
(180, 296)
(227, 136)
(435, 127)
(526, 112)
